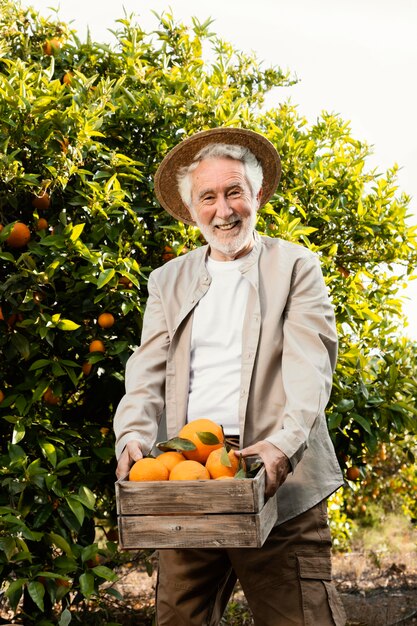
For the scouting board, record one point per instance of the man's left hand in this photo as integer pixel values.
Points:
(277, 464)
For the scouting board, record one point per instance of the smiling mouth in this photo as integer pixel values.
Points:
(225, 227)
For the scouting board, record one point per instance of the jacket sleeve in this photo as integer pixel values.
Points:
(308, 358)
(140, 410)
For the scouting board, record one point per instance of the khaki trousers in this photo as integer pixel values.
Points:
(287, 582)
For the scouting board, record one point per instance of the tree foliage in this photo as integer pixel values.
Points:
(87, 124)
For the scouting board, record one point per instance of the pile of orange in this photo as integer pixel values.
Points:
(209, 458)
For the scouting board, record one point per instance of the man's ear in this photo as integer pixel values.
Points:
(259, 197)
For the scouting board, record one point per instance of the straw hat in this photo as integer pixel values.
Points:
(166, 188)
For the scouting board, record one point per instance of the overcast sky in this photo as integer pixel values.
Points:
(353, 57)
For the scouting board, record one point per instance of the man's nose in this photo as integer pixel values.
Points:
(223, 209)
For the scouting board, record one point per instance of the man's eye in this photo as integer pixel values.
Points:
(234, 192)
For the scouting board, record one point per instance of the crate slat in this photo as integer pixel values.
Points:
(231, 530)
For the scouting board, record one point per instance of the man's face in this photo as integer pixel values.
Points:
(224, 207)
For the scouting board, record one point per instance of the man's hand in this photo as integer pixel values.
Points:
(131, 453)
(277, 464)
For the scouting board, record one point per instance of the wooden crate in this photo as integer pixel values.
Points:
(194, 514)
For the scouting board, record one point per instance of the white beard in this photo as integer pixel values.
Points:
(235, 243)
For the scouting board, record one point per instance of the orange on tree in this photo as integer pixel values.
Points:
(148, 468)
(1, 396)
(19, 236)
(189, 470)
(353, 472)
(67, 78)
(124, 281)
(205, 434)
(42, 224)
(86, 368)
(171, 458)
(51, 46)
(97, 346)
(222, 463)
(42, 202)
(168, 254)
(105, 320)
(50, 398)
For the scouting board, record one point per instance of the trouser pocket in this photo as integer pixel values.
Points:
(320, 600)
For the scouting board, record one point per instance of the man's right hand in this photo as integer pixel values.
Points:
(131, 453)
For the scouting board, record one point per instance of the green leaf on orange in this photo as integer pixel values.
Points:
(176, 443)
(208, 438)
(224, 458)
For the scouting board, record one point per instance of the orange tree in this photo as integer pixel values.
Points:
(82, 129)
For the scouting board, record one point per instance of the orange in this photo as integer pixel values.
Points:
(67, 78)
(42, 224)
(19, 236)
(215, 465)
(41, 202)
(50, 398)
(224, 478)
(51, 46)
(198, 431)
(170, 459)
(189, 470)
(105, 320)
(148, 468)
(168, 254)
(86, 368)
(97, 346)
(1, 396)
(353, 473)
(124, 281)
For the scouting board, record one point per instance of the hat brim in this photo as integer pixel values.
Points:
(166, 187)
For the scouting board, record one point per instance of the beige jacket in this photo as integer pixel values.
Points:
(288, 356)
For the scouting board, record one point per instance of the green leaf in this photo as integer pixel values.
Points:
(21, 344)
(65, 618)
(49, 451)
(104, 572)
(36, 591)
(363, 422)
(68, 325)
(8, 545)
(87, 496)
(76, 232)
(77, 508)
(40, 363)
(70, 461)
(224, 458)
(345, 405)
(208, 438)
(86, 584)
(176, 443)
(334, 420)
(18, 432)
(105, 277)
(14, 591)
(60, 543)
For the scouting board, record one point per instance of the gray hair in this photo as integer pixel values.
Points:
(253, 169)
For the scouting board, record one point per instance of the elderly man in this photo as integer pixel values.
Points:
(240, 331)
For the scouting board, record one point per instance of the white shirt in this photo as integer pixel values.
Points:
(216, 347)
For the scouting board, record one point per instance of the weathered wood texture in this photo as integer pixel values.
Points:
(248, 530)
(191, 496)
(190, 514)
